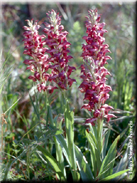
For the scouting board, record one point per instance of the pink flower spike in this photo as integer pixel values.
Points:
(58, 45)
(39, 62)
(93, 72)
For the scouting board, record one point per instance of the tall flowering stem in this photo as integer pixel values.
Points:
(58, 49)
(94, 78)
(93, 71)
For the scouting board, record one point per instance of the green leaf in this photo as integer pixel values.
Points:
(55, 130)
(59, 156)
(115, 175)
(93, 130)
(4, 72)
(53, 161)
(49, 115)
(120, 119)
(64, 147)
(10, 136)
(11, 163)
(83, 166)
(94, 141)
(92, 150)
(53, 125)
(109, 158)
(69, 122)
(124, 132)
(3, 82)
(107, 167)
(29, 131)
(105, 143)
(35, 108)
(122, 164)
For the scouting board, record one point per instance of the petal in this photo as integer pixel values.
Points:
(70, 82)
(32, 77)
(91, 120)
(86, 106)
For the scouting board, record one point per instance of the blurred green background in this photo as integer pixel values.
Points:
(120, 24)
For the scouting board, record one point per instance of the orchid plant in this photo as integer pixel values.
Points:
(51, 70)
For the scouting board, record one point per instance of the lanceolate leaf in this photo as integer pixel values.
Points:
(107, 167)
(49, 115)
(35, 108)
(91, 139)
(115, 175)
(105, 143)
(109, 157)
(64, 147)
(83, 166)
(124, 132)
(69, 122)
(122, 165)
(92, 151)
(53, 162)
(60, 157)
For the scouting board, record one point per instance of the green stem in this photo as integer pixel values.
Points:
(99, 140)
(59, 154)
(28, 163)
(69, 123)
(47, 106)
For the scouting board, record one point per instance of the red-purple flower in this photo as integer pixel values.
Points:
(93, 70)
(58, 49)
(49, 57)
(38, 63)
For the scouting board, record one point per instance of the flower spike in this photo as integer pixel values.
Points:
(93, 71)
(58, 49)
(34, 47)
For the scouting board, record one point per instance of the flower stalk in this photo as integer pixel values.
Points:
(93, 74)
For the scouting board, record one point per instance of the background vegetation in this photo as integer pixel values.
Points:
(18, 159)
